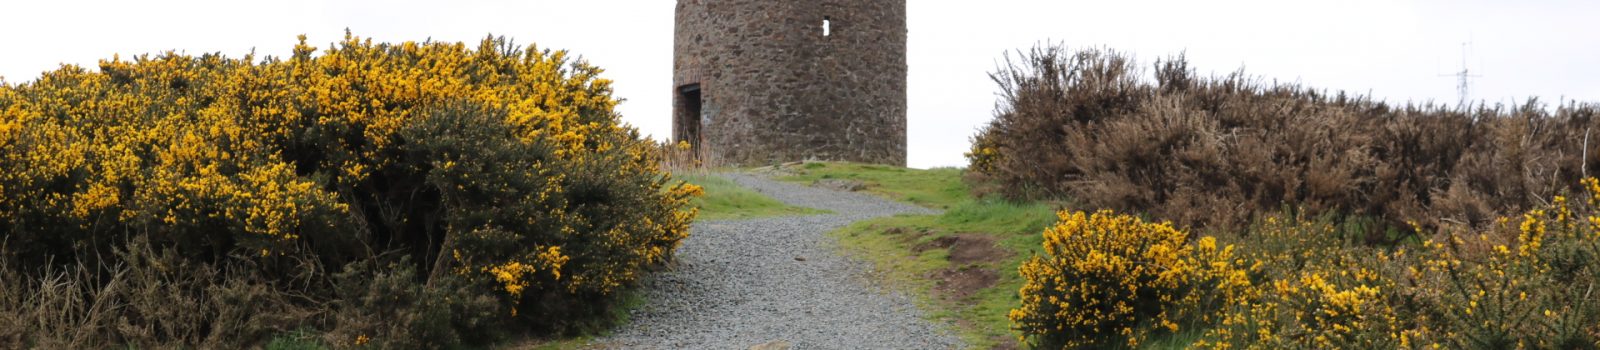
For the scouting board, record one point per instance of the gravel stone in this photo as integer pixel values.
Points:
(736, 284)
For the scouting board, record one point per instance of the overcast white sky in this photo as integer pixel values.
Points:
(1396, 50)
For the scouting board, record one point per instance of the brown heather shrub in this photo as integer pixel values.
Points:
(1218, 151)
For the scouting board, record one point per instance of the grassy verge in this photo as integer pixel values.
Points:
(725, 200)
(616, 317)
(919, 252)
(939, 188)
(961, 264)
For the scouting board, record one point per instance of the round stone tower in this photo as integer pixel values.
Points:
(765, 81)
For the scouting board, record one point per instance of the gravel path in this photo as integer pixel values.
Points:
(741, 283)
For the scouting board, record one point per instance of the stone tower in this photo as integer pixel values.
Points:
(763, 81)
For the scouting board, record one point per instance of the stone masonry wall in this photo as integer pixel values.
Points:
(775, 89)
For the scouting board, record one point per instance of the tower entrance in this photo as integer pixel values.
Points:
(690, 117)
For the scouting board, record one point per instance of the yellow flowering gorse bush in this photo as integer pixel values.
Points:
(1296, 283)
(1312, 290)
(1111, 280)
(501, 166)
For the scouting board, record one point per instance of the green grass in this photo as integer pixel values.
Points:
(296, 340)
(981, 318)
(725, 200)
(614, 318)
(574, 343)
(300, 340)
(938, 188)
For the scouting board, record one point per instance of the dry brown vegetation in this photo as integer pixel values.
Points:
(1335, 221)
(1218, 151)
(149, 300)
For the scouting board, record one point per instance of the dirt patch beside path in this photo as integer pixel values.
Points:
(970, 255)
(958, 283)
(966, 248)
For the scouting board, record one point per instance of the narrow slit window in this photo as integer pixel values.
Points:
(827, 26)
